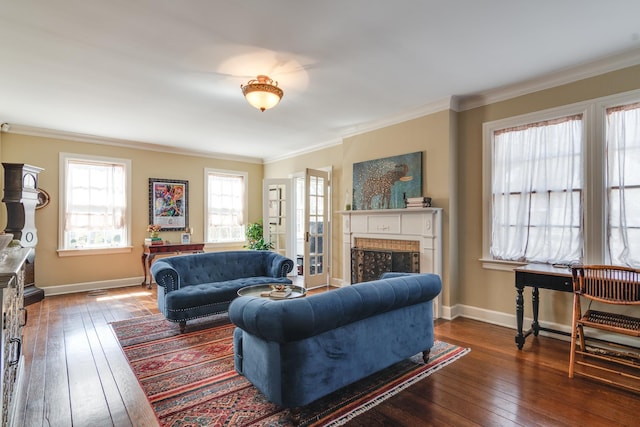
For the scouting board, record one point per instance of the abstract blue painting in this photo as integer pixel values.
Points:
(386, 183)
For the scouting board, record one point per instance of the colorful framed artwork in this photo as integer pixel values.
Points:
(386, 183)
(169, 203)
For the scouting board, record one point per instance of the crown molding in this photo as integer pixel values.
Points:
(307, 150)
(547, 81)
(414, 113)
(93, 139)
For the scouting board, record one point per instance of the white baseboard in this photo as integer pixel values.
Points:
(92, 286)
(338, 283)
(509, 321)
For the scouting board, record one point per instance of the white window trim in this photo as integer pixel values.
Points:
(63, 159)
(245, 212)
(594, 204)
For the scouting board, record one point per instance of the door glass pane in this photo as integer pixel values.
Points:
(276, 215)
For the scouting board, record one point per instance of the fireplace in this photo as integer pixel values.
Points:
(375, 241)
(372, 257)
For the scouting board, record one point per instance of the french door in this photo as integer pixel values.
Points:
(277, 215)
(297, 225)
(316, 225)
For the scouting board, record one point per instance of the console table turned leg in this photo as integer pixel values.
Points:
(520, 316)
(535, 301)
(144, 268)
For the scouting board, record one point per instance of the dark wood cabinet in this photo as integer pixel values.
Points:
(21, 199)
(14, 317)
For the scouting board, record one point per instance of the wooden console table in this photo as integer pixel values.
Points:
(150, 252)
(538, 276)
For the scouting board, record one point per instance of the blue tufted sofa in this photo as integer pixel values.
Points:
(297, 351)
(198, 285)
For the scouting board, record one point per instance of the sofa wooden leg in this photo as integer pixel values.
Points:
(183, 325)
(295, 415)
(425, 355)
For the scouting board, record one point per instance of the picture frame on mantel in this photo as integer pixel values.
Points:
(387, 182)
(169, 203)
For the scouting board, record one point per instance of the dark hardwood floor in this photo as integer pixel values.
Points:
(76, 375)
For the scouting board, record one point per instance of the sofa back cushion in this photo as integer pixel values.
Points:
(222, 266)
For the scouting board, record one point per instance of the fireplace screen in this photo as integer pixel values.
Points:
(369, 264)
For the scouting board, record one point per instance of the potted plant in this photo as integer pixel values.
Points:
(255, 238)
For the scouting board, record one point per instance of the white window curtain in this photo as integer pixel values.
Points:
(95, 209)
(225, 207)
(623, 184)
(537, 187)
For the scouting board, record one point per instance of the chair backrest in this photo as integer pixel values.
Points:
(607, 283)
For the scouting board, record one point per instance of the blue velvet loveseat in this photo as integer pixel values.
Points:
(296, 351)
(198, 285)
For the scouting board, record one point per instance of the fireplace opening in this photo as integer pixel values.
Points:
(372, 257)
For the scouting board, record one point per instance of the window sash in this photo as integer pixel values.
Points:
(225, 207)
(536, 191)
(623, 184)
(95, 204)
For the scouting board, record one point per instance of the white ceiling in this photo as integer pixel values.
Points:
(168, 72)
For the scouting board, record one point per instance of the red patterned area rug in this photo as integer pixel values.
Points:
(190, 379)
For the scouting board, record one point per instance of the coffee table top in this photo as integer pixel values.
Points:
(265, 291)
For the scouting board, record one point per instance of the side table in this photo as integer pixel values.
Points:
(150, 251)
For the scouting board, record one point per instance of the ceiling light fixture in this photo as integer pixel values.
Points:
(262, 92)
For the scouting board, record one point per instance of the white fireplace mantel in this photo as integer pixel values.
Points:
(423, 225)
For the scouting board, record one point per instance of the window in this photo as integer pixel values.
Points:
(623, 183)
(563, 185)
(226, 206)
(536, 193)
(95, 208)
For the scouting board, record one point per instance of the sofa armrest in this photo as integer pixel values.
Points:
(165, 276)
(292, 320)
(278, 265)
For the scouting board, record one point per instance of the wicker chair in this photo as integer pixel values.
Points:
(604, 360)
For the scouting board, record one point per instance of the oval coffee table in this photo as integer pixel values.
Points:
(261, 290)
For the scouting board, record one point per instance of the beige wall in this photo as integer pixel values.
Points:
(52, 270)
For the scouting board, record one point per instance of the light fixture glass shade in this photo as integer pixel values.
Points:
(263, 93)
